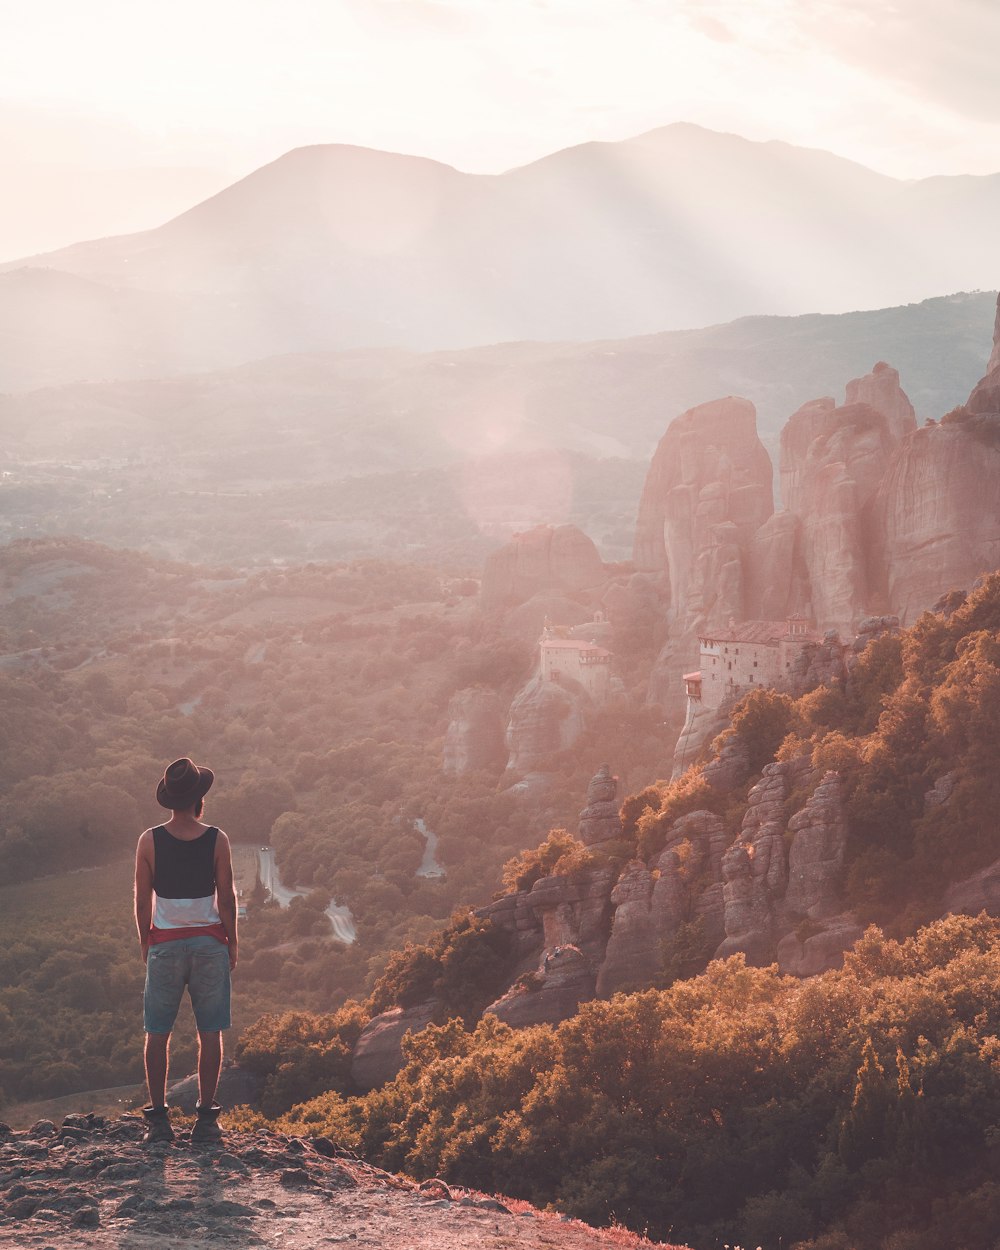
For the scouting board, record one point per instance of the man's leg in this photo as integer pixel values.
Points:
(155, 1054)
(209, 1066)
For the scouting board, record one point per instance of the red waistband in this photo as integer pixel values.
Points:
(200, 930)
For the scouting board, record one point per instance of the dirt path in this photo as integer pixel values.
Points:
(91, 1183)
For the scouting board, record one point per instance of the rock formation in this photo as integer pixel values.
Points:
(777, 574)
(475, 737)
(378, 1055)
(880, 390)
(708, 491)
(816, 857)
(90, 1181)
(940, 513)
(755, 868)
(545, 717)
(545, 558)
(634, 955)
(939, 504)
(238, 1087)
(833, 461)
(599, 820)
(564, 980)
(772, 893)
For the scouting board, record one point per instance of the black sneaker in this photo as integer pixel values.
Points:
(157, 1125)
(206, 1126)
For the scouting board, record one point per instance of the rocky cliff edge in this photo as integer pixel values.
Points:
(90, 1182)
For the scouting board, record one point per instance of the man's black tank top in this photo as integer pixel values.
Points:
(184, 869)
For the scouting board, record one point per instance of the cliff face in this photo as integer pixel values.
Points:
(708, 491)
(940, 515)
(475, 737)
(545, 717)
(878, 516)
(771, 894)
(833, 461)
(939, 504)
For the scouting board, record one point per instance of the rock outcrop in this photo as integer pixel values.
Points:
(833, 461)
(985, 398)
(940, 514)
(816, 857)
(545, 717)
(708, 491)
(238, 1087)
(777, 574)
(90, 1182)
(600, 820)
(545, 558)
(634, 956)
(563, 981)
(475, 737)
(980, 892)
(755, 868)
(939, 503)
(811, 949)
(880, 390)
(772, 893)
(378, 1055)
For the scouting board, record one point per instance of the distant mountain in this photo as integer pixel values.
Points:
(336, 247)
(313, 417)
(342, 455)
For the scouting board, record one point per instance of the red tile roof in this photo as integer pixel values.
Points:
(767, 632)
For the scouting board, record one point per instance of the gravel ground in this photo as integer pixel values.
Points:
(91, 1183)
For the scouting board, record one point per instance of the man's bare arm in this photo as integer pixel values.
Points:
(144, 891)
(225, 889)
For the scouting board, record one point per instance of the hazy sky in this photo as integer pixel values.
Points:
(179, 99)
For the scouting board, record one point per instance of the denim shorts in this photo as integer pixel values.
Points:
(200, 963)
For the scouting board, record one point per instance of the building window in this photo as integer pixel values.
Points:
(755, 663)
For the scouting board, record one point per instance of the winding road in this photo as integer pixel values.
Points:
(340, 917)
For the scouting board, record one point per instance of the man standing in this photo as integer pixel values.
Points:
(185, 912)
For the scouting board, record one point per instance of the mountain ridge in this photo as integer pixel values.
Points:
(339, 246)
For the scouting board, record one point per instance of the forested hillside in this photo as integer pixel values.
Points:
(320, 697)
(855, 1109)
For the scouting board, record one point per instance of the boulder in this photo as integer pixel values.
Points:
(475, 737)
(378, 1056)
(806, 953)
(237, 1087)
(980, 892)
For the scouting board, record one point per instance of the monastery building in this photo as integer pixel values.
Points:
(748, 654)
(574, 659)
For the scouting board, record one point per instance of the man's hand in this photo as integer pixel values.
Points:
(234, 951)
(144, 947)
